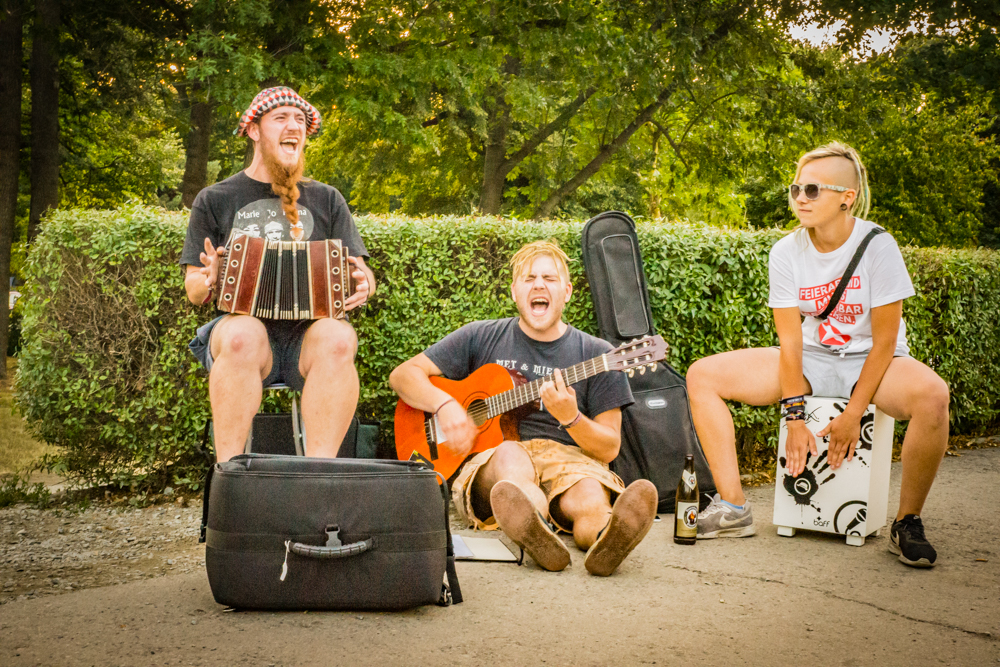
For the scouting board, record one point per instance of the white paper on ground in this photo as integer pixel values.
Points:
(481, 548)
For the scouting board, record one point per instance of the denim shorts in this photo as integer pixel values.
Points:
(834, 375)
(285, 337)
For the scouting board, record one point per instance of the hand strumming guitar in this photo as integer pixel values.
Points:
(459, 429)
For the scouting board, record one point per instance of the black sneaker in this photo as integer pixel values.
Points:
(906, 538)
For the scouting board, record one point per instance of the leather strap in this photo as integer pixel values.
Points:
(849, 273)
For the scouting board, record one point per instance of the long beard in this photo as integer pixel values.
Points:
(284, 183)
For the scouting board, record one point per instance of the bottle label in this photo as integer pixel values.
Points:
(689, 480)
(687, 520)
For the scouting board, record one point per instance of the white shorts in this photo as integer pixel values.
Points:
(834, 375)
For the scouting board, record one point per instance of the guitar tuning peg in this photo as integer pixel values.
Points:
(652, 366)
(642, 370)
(631, 372)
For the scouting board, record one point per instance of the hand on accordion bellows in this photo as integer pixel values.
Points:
(362, 287)
(210, 260)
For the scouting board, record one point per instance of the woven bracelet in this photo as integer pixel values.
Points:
(576, 420)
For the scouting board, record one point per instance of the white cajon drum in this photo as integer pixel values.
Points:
(852, 500)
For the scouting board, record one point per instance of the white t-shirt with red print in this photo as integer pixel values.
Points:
(803, 277)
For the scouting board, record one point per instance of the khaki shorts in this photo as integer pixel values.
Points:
(557, 467)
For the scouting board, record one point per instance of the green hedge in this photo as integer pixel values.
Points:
(105, 372)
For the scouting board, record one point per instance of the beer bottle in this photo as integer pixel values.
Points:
(686, 507)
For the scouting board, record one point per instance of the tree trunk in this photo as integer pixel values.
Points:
(11, 54)
(198, 144)
(44, 72)
(654, 197)
(494, 175)
(546, 208)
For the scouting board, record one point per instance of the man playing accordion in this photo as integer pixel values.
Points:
(242, 353)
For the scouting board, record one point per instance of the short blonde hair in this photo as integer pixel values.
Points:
(523, 258)
(862, 201)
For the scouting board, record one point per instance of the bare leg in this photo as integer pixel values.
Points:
(910, 390)
(241, 360)
(509, 462)
(585, 505)
(748, 376)
(330, 395)
(507, 481)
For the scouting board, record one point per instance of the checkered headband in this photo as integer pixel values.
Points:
(272, 98)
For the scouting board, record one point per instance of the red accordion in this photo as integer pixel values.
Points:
(284, 280)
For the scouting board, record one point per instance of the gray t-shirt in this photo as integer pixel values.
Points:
(502, 342)
(252, 205)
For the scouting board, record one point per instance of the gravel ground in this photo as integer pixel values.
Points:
(49, 552)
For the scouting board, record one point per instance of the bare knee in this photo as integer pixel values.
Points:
(510, 461)
(244, 338)
(701, 376)
(932, 400)
(331, 340)
(588, 496)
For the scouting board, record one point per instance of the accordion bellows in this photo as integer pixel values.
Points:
(284, 280)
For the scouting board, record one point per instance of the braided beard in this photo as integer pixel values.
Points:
(284, 183)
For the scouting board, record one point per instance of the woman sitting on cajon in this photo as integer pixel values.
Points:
(859, 352)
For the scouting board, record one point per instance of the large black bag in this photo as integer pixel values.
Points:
(657, 430)
(290, 532)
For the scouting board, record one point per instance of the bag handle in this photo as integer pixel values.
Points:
(849, 273)
(333, 548)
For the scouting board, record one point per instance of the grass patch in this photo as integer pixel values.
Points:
(18, 450)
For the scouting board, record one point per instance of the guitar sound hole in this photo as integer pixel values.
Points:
(478, 411)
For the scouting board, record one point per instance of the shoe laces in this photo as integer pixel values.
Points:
(914, 527)
(713, 508)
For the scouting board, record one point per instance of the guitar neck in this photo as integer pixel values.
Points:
(531, 391)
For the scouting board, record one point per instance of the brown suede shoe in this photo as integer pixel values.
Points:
(631, 518)
(518, 518)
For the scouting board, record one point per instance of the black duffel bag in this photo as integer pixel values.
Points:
(290, 532)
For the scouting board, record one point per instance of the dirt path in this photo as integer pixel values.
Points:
(761, 601)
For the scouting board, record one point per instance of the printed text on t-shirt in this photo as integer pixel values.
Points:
(820, 296)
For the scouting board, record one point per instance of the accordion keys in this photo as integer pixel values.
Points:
(284, 280)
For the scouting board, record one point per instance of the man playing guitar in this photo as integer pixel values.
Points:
(559, 467)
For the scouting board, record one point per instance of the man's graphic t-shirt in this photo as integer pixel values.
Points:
(803, 277)
(249, 204)
(502, 342)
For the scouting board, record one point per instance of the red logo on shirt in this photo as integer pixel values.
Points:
(831, 337)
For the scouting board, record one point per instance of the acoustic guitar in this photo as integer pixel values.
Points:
(494, 396)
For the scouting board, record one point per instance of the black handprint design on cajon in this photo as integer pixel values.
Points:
(805, 486)
(867, 432)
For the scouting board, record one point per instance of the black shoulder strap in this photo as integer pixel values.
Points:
(204, 505)
(849, 273)
(452, 592)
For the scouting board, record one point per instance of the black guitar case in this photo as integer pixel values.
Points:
(657, 430)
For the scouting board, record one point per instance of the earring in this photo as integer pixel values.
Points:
(843, 207)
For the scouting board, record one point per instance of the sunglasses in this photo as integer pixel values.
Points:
(812, 189)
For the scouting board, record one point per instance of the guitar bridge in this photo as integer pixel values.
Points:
(435, 436)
